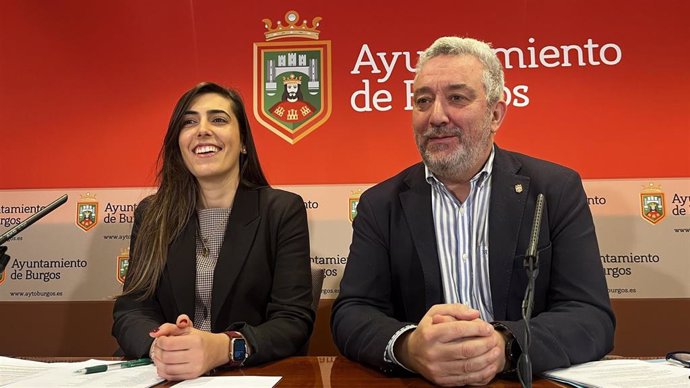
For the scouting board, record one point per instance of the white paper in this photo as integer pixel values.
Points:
(231, 381)
(624, 374)
(13, 369)
(23, 373)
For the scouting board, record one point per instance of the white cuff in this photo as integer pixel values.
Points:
(389, 355)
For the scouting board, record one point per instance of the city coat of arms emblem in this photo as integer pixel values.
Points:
(652, 203)
(353, 201)
(292, 79)
(87, 212)
(122, 265)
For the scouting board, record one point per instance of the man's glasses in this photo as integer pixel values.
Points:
(681, 358)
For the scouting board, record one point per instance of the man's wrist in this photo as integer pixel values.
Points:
(400, 350)
(511, 349)
(393, 349)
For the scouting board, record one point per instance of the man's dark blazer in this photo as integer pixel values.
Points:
(261, 283)
(393, 276)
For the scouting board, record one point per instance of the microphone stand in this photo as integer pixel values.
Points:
(5, 258)
(531, 264)
(524, 365)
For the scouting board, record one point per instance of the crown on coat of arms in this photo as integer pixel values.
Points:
(292, 80)
(292, 29)
(651, 188)
(88, 197)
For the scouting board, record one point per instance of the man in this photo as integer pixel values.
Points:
(435, 279)
(292, 108)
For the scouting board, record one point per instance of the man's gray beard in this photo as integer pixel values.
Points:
(459, 163)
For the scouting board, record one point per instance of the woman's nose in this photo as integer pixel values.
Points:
(204, 128)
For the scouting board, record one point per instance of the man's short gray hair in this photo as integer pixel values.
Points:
(492, 76)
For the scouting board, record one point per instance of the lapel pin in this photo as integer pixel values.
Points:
(518, 188)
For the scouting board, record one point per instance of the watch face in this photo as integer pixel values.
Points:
(239, 349)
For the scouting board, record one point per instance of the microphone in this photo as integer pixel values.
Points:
(536, 226)
(531, 264)
(4, 259)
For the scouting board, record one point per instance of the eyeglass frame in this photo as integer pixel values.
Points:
(681, 357)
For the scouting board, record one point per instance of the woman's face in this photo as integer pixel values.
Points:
(210, 139)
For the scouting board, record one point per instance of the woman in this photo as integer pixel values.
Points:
(219, 272)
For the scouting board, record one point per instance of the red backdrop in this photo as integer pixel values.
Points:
(86, 88)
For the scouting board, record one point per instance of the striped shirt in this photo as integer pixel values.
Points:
(462, 240)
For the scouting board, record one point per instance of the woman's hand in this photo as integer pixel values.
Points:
(181, 352)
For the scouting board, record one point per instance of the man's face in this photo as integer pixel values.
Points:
(292, 90)
(453, 127)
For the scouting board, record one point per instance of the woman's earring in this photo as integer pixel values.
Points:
(243, 150)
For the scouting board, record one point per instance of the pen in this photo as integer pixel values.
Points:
(119, 365)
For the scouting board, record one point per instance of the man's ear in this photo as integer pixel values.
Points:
(498, 113)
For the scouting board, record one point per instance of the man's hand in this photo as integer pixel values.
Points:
(451, 346)
(181, 352)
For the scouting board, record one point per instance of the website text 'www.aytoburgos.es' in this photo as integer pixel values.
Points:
(35, 294)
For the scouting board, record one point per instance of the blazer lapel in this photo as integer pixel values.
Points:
(239, 236)
(180, 264)
(416, 204)
(506, 211)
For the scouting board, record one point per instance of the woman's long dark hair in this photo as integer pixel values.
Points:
(168, 211)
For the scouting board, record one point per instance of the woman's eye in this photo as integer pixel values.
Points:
(188, 122)
(221, 120)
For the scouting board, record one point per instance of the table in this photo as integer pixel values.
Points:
(323, 372)
(339, 372)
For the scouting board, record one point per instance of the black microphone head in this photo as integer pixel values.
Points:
(536, 226)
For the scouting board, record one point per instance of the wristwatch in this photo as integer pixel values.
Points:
(512, 349)
(238, 351)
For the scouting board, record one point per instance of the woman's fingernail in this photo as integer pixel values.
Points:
(155, 330)
(183, 321)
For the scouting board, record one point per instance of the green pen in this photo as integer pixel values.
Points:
(119, 365)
